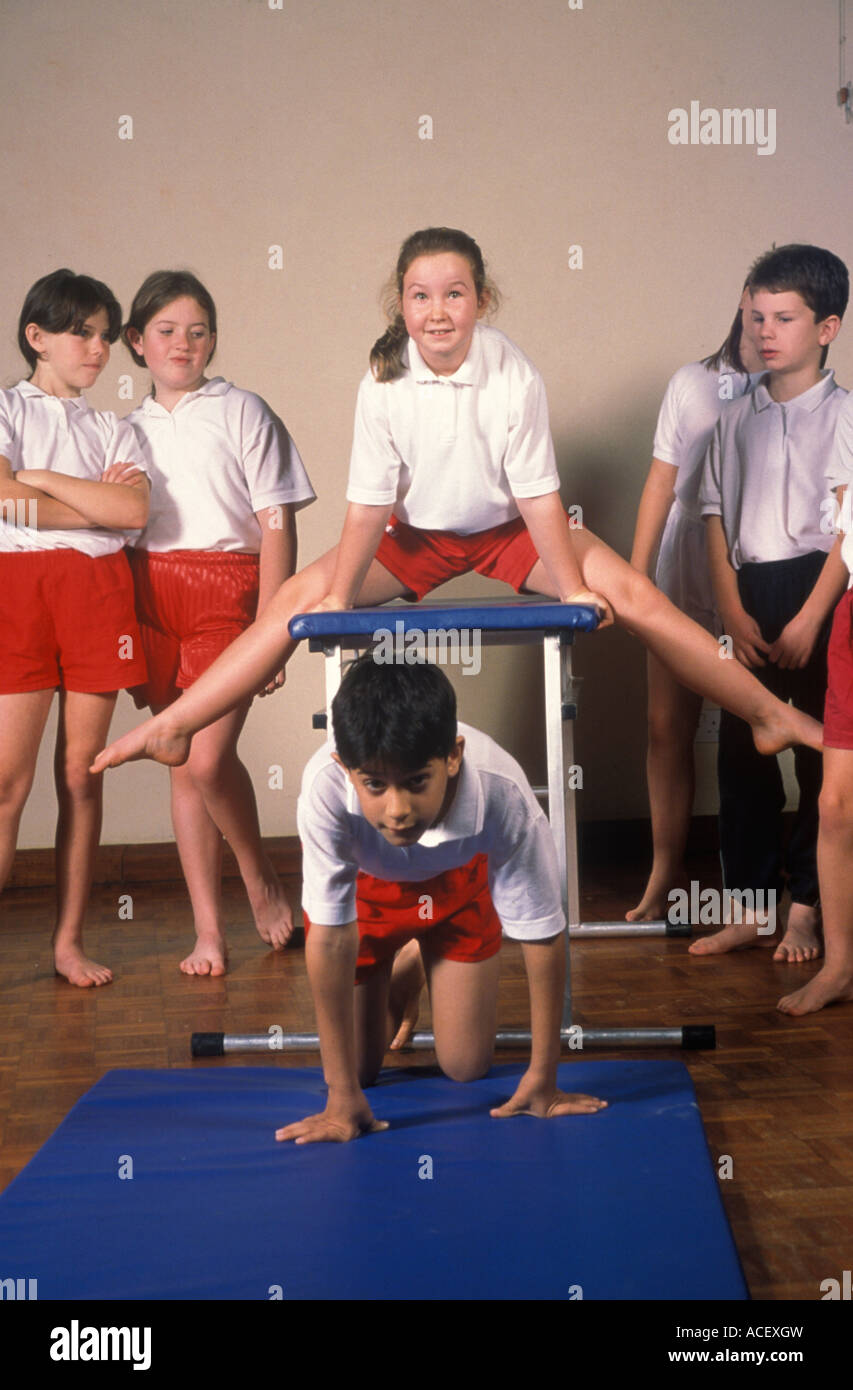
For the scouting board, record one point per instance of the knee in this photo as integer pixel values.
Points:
(638, 601)
(663, 729)
(75, 779)
(206, 766)
(14, 790)
(470, 1067)
(835, 807)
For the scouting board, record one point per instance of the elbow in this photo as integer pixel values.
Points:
(140, 507)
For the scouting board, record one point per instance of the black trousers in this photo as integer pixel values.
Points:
(752, 794)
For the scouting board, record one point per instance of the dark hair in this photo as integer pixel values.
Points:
(728, 353)
(396, 716)
(156, 291)
(61, 303)
(386, 355)
(818, 276)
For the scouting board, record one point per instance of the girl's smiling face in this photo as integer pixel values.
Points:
(176, 343)
(440, 308)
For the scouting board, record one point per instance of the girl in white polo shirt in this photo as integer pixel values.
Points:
(452, 437)
(71, 496)
(669, 517)
(220, 540)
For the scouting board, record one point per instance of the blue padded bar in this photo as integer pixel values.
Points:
(517, 615)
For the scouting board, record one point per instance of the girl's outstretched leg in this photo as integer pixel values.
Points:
(673, 717)
(243, 668)
(691, 654)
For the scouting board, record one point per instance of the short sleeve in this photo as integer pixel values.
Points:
(530, 463)
(122, 444)
(274, 471)
(667, 440)
(711, 489)
(839, 472)
(374, 474)
(524, 879)
(329, 868)
(8, 444)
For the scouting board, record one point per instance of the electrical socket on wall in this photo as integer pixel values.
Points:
(708, 729)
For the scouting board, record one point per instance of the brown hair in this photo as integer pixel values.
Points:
(386, 355)
(728, 354)
(156, 291)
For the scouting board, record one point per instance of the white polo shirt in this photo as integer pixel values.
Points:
(64, 434)
(451, 453)
(689, 411)
(494, 812)
(840, 474)
(220, 456)
(765, 473)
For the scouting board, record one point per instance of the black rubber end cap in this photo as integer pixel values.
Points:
(698, 1035)
(679, 929)
(208, 1045)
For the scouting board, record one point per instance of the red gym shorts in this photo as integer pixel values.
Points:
(67, 620)
(424, 559)
(454, 911)
(838, 711)
(191, 604)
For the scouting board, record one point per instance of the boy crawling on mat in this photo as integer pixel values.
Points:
(414, 828)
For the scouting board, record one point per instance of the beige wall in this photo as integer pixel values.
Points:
(299, 126)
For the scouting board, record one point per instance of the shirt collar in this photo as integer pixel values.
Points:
(807, 400)
(27, 388)
(465, 816)
(470, 373)
(217, 386)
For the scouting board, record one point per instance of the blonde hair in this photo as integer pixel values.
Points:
(386, 355)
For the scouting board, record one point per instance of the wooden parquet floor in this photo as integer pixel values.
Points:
(776, 1095)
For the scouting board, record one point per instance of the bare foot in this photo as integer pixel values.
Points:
(654, 904)
(786, 725)
(208, 957)
(273, 914)
(154, 739)
(78, 969)
(829, 986)
(735, 937)
(801, 941)
(407, 981)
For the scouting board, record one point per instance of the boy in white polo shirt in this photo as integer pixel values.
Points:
(777, 575)
(417, 827)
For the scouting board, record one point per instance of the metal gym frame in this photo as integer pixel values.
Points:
(498, 622)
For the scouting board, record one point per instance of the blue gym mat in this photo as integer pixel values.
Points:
(618, 1205)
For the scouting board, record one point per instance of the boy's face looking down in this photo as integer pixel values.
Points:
(784, 330)
(402, 805)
